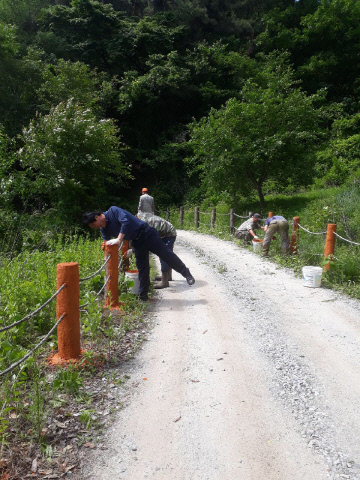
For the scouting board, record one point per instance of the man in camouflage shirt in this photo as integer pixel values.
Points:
(168, 234)
(247, 229)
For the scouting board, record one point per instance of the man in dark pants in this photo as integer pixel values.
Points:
(122, 225)
(168, 234)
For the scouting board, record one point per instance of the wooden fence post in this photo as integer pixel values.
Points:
(168, 214)
(181, 216)
(68, 330)
(329, 243)
(213, 218)
(294, 245)
(112, 272)
(196, 217)
(232, 222)
(271, 214)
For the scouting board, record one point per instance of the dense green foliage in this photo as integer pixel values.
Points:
(260, 96)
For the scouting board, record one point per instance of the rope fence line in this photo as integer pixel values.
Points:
(308, 231)
(345, 239)
(240, 216)
(97, 271)
(205, 213)
(19, 362)
(324, 233)
(97, 294)
(8, 327)
(223, 214)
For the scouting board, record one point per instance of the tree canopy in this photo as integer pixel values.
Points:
(260, 95)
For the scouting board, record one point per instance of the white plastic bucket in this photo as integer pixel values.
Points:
(311, 276)
(256, 246)
(134, 276)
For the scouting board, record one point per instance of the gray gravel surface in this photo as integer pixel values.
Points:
(246, 375)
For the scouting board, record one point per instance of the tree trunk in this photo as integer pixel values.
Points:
(261, 196)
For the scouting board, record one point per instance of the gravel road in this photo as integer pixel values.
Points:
(247, 375)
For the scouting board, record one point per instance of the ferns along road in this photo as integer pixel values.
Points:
(247, 375)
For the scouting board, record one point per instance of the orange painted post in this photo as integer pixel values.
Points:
(329, 243)
(271, 214)
(294, 245)
(68, 330)
(124, 248)
(111, 270)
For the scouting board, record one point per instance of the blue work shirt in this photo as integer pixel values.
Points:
(275, 217)
(121, 221)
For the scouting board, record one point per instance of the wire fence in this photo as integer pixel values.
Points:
(345, 239)
(308, 231)
(28, 355)
(35, 312)
(196, 223)
(30, 315)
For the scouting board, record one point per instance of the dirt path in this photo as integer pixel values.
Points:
(247, 375)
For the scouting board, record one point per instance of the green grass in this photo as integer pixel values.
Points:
(316, 208)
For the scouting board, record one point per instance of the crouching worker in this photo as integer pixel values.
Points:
(122, 225)
(247, 229)
(168, 234)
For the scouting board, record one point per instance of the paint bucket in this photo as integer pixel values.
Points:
(257, 245)
(311, 276)
(134, 276)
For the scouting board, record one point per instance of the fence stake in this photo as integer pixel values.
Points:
(232, 222)
(329, 243)
(294, 245)
(271, 214)
(68, 331)
(213, 217)
(196, 217)
(168, 214)
(181, 216)
(111, 270)
(124, 249)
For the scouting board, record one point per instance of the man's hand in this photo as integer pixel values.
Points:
(128, 253)
(256, 237)
(113, 241)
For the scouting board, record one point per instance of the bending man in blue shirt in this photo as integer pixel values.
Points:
(122, 225)
(275, 224)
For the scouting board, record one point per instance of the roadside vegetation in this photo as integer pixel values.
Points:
(232, 104)
(45, 409)
(316, 208)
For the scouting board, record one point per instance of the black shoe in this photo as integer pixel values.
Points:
(142, 297)
(190, 279)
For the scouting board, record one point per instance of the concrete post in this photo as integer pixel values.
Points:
(294, 245)
(232, 220)
(111, 270)
(329, 243)
(196, 217)
(124, 248)
(213, 218)
(181, 216)
(68, 330)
